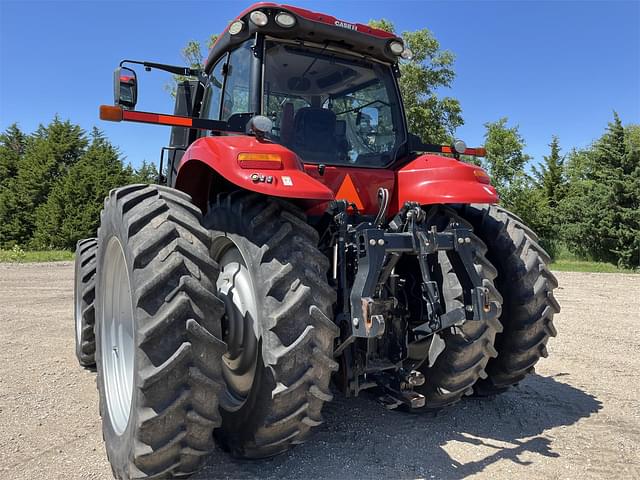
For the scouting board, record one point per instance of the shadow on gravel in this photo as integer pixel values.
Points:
(360, 439)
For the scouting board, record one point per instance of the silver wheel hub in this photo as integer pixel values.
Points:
(78, 301)
(117, 336)
(235, 288)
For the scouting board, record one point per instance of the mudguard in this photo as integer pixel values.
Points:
(286, 178)
(431, 179)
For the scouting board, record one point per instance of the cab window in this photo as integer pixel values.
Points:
(236, 91)
(213, 96)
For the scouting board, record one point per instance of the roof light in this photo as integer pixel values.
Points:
(285, 20)
(459, 146)
(396, 47)
(259, 18)
(407, 54)
(236, 27)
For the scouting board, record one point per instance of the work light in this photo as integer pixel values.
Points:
(285, 20)
(259, 18)
(459, 146)
(236, 27)
(396, 47)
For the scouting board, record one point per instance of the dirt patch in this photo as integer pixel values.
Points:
(578, 417)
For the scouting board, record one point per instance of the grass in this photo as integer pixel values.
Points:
(571, 265)
(566, 261)
(17, 255)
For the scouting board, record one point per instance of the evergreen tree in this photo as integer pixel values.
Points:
(72, 210)
(147, 173)
(48, 155)
(550, 175)
(12, 145)
(602, 205)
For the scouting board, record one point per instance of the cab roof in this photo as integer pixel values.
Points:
(309, 26)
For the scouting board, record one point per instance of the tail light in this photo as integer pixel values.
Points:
(482, 176)
(264, 161)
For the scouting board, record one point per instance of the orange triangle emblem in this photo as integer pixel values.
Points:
(347, 191)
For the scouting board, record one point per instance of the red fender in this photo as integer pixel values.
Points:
(431, 179)
(286, 178)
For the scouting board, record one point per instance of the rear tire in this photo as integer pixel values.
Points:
(468, 347)
(527, 285)
(274, 394)
(84, 293)
(158, 333)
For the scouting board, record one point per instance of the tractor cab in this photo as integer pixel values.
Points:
(329, 87)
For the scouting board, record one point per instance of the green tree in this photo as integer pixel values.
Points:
(432, 118)
(602, 205)
(505, 159)
(12, 145)
(147, 173)
(193, 57)
(506, 164)
(72, 209)
(48, 155)
(550, 176)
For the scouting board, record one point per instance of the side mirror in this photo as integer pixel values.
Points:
(125, 88)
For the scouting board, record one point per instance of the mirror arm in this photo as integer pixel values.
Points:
(186, 71)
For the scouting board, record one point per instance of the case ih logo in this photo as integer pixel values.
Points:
(350, 26)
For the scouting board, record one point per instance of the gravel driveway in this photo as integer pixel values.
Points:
(578, 417)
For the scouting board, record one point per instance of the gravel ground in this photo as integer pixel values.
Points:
(578, 417)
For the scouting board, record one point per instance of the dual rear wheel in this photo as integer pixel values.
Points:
(178, 293)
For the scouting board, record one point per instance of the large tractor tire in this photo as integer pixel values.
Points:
(468, 348)
(84, 293)
(277, 324)
(158, 333)
(526, 284)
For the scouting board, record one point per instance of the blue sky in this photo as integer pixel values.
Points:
(557, 67)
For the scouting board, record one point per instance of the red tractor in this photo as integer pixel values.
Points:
(299, 238)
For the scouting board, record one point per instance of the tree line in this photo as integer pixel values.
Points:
(53, 183)
(586, 201)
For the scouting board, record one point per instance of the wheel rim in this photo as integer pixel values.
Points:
(235, 288)
(117, 333)
(78, 300)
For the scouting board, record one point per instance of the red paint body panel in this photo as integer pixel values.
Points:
(431, 179)
(220, 153)
(427, 180)
(330, 20)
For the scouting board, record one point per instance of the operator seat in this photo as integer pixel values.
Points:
(315, 131)
(286, 124)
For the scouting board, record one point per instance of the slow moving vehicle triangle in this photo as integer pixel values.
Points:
(347, 191)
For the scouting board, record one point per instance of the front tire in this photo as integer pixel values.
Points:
(278, 326)
(158, 333)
